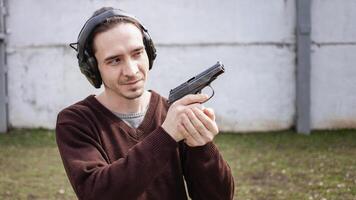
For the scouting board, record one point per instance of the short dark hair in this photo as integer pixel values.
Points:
(108, 24)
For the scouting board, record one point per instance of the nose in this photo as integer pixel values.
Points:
(131, 68)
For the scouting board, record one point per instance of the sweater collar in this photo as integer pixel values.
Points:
(95, 104)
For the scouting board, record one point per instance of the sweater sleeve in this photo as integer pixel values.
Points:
(92, 177)
(207, 175)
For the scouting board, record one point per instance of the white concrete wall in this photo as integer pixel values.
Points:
(333, 64)
(255, 40)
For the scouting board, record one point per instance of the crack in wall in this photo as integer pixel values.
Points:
(278, 44)
(212, 44)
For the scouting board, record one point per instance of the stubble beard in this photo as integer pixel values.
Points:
(133, 94)
(127, 92)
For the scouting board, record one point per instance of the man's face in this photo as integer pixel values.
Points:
(122, 60)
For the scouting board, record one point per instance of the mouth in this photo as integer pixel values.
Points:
(132, 82)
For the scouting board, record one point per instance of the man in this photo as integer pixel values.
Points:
(127, 142)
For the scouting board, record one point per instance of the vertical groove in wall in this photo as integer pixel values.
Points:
(303, 66)
(3, 70)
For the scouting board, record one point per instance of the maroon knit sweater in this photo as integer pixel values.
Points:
(106, 159)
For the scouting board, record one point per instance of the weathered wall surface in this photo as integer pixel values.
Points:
(254, 39)
(333, 74)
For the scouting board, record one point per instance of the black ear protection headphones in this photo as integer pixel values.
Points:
(87, 62)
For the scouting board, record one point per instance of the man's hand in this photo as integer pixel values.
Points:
(199, 127)
(187, 119)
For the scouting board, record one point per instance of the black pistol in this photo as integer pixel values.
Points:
(197, 83)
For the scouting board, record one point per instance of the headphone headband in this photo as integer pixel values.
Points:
(93, 22)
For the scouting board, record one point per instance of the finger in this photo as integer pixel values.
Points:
(188, 139)
(195, 135)
(206, 134)
(195, 105)
(198, 125)
(210, 113)
(208, 123)
(191, 143)
(192, 98)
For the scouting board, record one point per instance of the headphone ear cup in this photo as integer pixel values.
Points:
(150, 48)
(96, 77)
(89, 67)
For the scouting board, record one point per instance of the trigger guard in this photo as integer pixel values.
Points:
(211, 94)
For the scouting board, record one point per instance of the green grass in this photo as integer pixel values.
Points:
(30, 167)
(275, 165)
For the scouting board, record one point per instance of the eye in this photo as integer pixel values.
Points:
(114, 61)
(138, 54)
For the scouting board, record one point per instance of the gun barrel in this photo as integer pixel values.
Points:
(216, 69)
